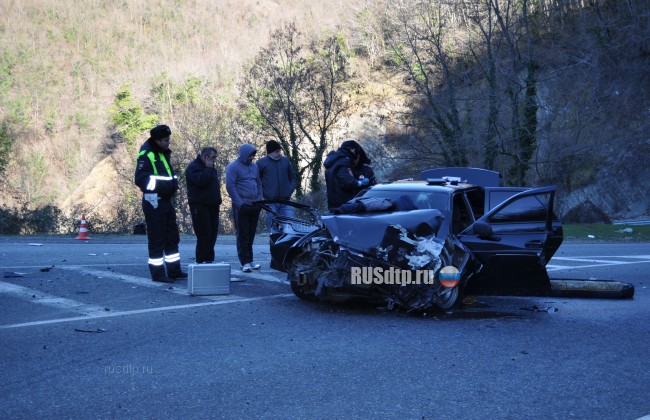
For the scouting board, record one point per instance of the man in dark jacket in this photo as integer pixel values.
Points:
(244, 187)
(340, 166)
(204, 199)
(158, 183)
(278, 180)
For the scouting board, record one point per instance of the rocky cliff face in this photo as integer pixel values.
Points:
(620, 189)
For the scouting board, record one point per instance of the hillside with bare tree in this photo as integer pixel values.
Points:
(544, 91)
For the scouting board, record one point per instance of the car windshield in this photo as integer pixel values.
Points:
(422, 199)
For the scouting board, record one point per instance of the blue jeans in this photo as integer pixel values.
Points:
(281, 209)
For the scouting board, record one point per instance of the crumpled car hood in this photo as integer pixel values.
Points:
(376, 234)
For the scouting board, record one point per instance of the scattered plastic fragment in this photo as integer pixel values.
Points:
(535, 308)
(98, 330)
(591, 237)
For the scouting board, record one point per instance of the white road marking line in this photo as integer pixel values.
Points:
(258, 276)
(140, 281)
(576, 267)
(218, 297)
(36, 296)
(142, 311)
(37, 267)
(553, 267)
(582, 257)
(589, 260)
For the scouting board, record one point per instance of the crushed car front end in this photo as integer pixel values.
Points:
(392, 258)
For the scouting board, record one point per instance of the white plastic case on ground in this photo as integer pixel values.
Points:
(208, 279)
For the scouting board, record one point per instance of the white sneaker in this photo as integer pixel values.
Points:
(255, 266)
(246, 268)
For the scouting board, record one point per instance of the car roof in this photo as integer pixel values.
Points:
(410, 185)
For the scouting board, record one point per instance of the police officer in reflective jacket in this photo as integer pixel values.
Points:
(158, 183)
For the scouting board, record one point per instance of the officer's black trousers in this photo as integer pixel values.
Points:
(162, 231)
(205, 221)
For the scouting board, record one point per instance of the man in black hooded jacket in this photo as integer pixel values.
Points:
(204, 198)
(343, 174)
(158, 183)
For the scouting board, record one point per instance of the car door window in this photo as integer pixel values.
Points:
(497, 195)
(527, 209)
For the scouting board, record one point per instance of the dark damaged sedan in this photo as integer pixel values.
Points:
(422, 244)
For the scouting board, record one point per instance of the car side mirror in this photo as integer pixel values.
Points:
(484, 231)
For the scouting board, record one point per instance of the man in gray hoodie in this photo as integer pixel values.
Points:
(244, 186)
(278, 180)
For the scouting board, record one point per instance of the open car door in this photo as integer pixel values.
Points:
(513, 242)
(289, 231)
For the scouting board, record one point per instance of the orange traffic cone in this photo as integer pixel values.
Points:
(83, 229)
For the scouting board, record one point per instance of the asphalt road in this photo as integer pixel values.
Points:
(84, 333)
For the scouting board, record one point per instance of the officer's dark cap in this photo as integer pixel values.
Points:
(160, 132)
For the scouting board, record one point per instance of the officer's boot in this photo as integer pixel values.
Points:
(174, 270)
(158, 274)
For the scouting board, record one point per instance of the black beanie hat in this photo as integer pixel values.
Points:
(272, 146)
(351, 145)
(160, 132)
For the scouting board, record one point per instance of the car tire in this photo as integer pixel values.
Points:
(449, 300)
(302, 293)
